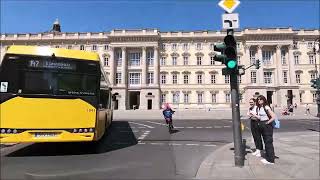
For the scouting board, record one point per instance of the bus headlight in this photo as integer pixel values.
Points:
(75, 130)
(85, 130)
(3, 131)
(9, 131)
(90, 130)
(80, 130)
(15, 131)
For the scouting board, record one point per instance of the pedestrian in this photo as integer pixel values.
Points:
(291, 109)
(307, 109)
(252, 114)
(266, 116)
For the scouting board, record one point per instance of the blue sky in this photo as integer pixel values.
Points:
(24, 16)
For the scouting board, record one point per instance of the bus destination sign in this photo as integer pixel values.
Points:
(49, 64)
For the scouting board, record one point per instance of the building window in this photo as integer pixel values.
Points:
(213, 98)
(174, 79)
(175, 97)
(253, 77)
(106, 61)
(174, 60)
(69, 47)
(298, 78)
(285, 76)
(238, 45)
(186, 98)
(174, 46)
(118, 78)
(239, 59)
(212, 62)
(199, 60)
(163, 46)
(185, 46)
(186, 79)
(150, 58)
(296, 59)
(239, 79)
(227, 98)
(94, 47)
(199, 46)
(211, 46)
(134, 78)
(311, 59)
(283, 57)
(150, 78)
(227, 79)
(185, 60)
(163, 98)
(314, 97)
(163, 61)
(199, 77)
(267, 77)
(119, 58)
(200, 98)
(313, 75)
(252, 57)
(300, 97)
(134, 59)
(163, 79)
(81, 47)
(106, 47)
(266, 57)
(310, 45)
(213, 78)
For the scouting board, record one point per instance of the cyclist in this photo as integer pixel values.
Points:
(167, 113)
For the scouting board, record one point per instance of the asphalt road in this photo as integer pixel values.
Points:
(131, 150)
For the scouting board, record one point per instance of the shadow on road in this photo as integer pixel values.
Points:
(112, 140)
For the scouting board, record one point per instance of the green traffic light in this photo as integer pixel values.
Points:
(232, 64)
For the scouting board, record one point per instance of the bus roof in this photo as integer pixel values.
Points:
(48, 51)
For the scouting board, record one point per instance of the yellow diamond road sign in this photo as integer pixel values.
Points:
(229, 5)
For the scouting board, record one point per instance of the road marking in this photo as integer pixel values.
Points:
(192, 144)
(174, 144)
(226, 126)
(141, 125)
(156, 123)
(157, 143)
(217, 126)
(179, 127)
(141, 143)
(129, 131)
(210, 145)
(189, 127)
(199, 127)
(209, 127)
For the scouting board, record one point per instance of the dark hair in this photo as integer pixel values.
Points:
(265, 102)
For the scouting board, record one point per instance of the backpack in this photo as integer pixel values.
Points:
(167, 113)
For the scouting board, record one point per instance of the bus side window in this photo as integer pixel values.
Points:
(103, 101)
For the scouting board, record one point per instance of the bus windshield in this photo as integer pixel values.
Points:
(43, 75)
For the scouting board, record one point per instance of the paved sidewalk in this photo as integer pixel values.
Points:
(203, 114)
(298, 154)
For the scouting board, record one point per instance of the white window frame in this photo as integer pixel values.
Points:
(186, 79)
(134, 78)
(118, 78)
(226, 79)
(185, 46)
(228, 97)
(119, 58)
(267, 57)
(163, 98)
(106, 61)
(199, 78)
(213, 98)
(298, 78)
(150, 58)
(311, 59)
(199, 60)
(213, 78)
(174, 78)
(199, 46)
(150, 78)
(185, 60)
(267, 76)
(200, 98)
(174, 60)
(185, 98)
(176, 97)
(296, 59)
(163, 78)
(212, 61)
(163, 61)
(174, 46)
(283, 57)
(285, 76)
(253, 77)
(135, 58)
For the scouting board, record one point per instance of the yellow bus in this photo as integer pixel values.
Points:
(53, 95)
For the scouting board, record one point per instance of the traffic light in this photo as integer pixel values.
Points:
(257, 64)
(315, 83)
(228, 55)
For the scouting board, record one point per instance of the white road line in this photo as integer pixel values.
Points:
(141, 143)
(156, 123)
(179, 127)
(189, 127)
(192, 144)
(199, 127)
(209, 127)
(141, 125)
(210, 145)
(226, 126)
(157, 143)
(217, 126)
(174, 144)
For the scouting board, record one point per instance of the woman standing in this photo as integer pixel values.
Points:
(252, 113)
(266, 116)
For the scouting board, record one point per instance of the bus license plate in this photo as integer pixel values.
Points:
(44, 135)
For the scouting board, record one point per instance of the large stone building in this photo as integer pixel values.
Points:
(148, 67)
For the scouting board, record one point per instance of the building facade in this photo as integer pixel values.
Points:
(147, 67)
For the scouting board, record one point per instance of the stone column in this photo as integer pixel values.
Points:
(156, 66)
(279, 75)
(124, 68)
(291, 72)
(144, 68)
(247, 63)
(112, 67)
(260, 76)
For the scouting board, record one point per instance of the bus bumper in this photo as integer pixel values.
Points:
(46, 136)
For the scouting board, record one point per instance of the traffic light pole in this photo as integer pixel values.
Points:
(237, 137)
